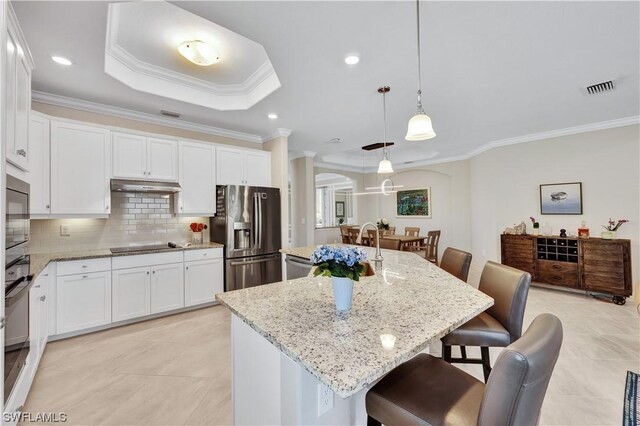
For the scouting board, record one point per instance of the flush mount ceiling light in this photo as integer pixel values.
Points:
(61, 60)
(420, 127)
(351, 60)
(199, 52)
(385, 166)
(272, 116)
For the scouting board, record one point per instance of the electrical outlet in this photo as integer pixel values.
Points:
(65, 231)
(325, 399)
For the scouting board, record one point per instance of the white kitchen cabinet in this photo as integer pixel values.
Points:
(18, 94)
(167, 287)
(83, 301)
(39, 316)
(130, 293)
(39, 165)
(197, 179)
(80, 169)
(141, 157)
(243, 167)
(202, 280)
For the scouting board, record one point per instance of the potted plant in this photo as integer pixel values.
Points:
(383, 224)
(197, 229)
(611, 228)
(344, 266)
(536, 225)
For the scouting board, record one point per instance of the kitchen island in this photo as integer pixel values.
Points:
(296, 360)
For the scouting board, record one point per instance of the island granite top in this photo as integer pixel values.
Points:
(40, 260)
(409, 298)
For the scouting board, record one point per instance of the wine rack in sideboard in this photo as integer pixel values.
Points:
(594, 264)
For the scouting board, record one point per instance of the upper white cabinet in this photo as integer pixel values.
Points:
(197, 179)
(39, 161)
(18, 94)
(141, 157)
(243, 167)
(80, 169)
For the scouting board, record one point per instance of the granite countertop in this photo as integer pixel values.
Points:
(40, 260)
(408, 298)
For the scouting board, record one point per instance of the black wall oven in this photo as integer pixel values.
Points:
(18, 281)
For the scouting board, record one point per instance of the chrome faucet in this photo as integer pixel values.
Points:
(378, 258)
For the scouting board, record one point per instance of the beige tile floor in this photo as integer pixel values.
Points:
(175, 370)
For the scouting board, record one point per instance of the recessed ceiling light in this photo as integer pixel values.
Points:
(351, 60)
(272, 116)
(199, 52)
(61, 60)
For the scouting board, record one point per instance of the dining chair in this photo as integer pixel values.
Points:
(344, 234)
(428, 391)
(498, 326)
(390, 231)
(430, 249)
(371, 234)
(411, 231)
(389, 244)
(456, 262)
(353, 234)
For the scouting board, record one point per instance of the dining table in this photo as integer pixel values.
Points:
(405, 240)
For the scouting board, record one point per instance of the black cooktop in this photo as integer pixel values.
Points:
(150, 247)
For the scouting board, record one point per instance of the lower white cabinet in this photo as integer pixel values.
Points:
(39, 314)
(131, 293)
(83, 301)
(202, 280)
(167, 287)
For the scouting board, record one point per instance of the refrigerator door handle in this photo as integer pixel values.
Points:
(260, 221)
(254, 222)
(250, 262)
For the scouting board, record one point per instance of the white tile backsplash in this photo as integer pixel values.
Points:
(136, 218)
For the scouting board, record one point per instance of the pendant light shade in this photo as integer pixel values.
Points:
(420, 127)
(384, 166)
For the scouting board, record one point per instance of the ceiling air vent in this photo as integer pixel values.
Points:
(605, 86)
(170, 113)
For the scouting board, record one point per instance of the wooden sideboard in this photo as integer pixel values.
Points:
(592, 264)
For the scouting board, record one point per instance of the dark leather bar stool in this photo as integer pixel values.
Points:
(456, 262)
(498, 326)
(428, 391)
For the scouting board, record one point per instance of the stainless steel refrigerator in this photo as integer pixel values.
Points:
(247, 222)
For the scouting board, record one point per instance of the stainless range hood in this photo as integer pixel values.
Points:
(144, 186)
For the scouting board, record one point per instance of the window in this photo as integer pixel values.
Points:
(334, 200)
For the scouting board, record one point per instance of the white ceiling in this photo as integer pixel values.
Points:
(491, 70)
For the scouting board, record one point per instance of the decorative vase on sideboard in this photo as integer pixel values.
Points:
(608, 235)
(342, 292)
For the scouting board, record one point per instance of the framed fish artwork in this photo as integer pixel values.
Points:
(561, 198)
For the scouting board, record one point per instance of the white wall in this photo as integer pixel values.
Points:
(504, 187)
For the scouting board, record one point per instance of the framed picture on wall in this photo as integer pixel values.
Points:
(561, 198)
(339, 208)
(413, 203)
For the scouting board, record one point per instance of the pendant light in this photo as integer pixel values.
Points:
(419, 128)
(384, 166)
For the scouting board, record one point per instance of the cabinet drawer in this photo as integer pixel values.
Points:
(123, 262)
(214, 253)
(558, 267)
(560, 273)
(84, 266)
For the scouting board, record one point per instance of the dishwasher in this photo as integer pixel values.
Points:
(297, 267)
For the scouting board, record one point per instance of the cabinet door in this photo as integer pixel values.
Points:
(230, 166)
(197, 179)
(43, 316)
(605, 266)
(80, 169)
(203, 279)
(167, 287)
(257, 168)
(10, 96)
(39, 163)
(130, 293)
(129, 156)
(34, 327)
(162, 159)
(83, 301)
(23, 107)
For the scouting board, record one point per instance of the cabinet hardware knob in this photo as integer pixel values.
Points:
(147, 272)
(84, 266)
(43, 298)
(107, 207)
(47, 206)
(186, 267)
(85, 276)
(154, 272)
(36, 286)
(21, 152)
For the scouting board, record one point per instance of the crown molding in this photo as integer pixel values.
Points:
(602, 125)
(278, 133)
(63, 101)
(330, 166)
